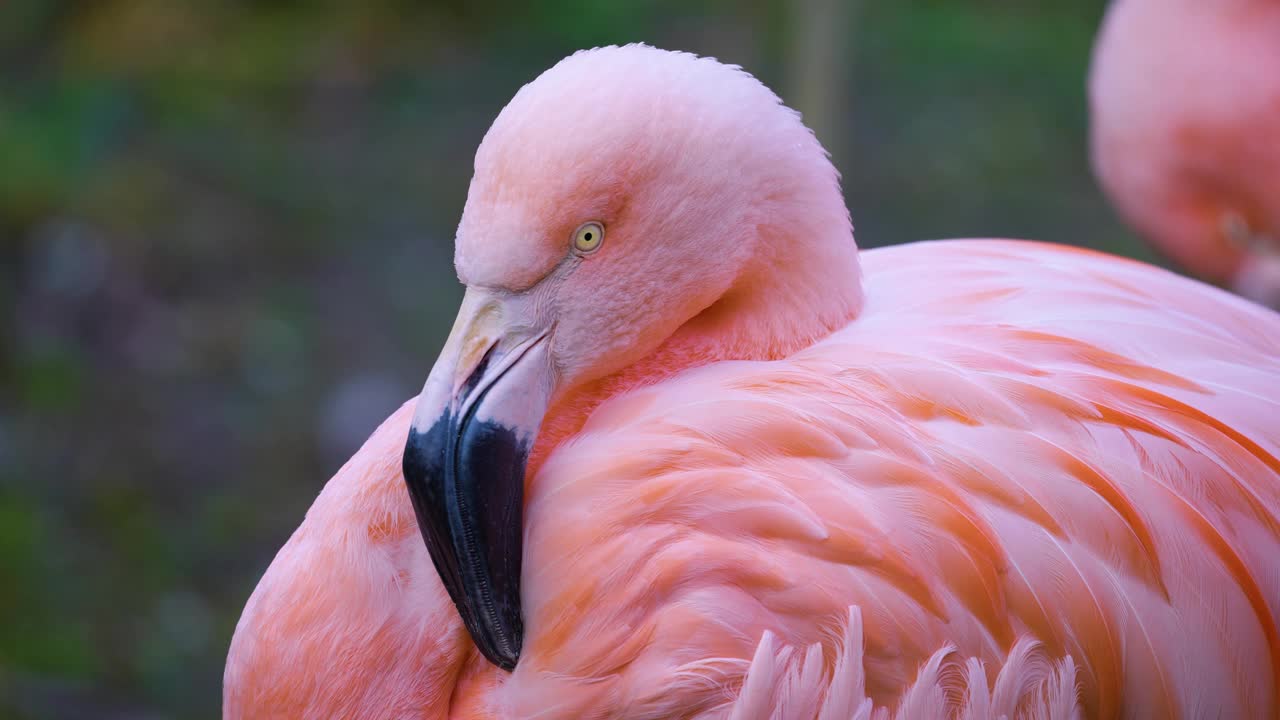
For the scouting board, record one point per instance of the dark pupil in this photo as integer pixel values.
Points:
(587, 237)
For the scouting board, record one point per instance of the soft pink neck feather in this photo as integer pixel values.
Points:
(799, 289)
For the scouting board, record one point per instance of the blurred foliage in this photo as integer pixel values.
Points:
(226, 240)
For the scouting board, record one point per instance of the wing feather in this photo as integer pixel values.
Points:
(1060, 465)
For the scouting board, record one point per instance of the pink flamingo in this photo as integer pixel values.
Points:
(1186, 133)
(688, 454)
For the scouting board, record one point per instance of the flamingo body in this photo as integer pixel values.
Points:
(1013, 440)
(979, 479)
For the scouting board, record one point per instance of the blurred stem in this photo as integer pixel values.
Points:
(818, 52)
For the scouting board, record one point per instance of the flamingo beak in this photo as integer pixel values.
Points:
(1258, 278)
(464, 464)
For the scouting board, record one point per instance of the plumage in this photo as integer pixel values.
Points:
(1018, 479)
(1185, 100)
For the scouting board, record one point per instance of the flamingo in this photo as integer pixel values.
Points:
(1185, 99)
(687, 453)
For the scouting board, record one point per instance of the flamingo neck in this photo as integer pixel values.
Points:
(777, 307)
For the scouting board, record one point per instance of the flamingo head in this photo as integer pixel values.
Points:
(618, 197)
(1191, 162)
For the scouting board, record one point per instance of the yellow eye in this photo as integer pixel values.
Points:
(587, 238)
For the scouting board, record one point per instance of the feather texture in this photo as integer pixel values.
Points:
(1013, 441)
(1038, 485)
(1029, 686)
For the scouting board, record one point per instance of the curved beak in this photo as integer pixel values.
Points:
(464, 464)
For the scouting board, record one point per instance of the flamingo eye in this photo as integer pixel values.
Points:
(587, 238)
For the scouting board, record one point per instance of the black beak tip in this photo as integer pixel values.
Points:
(506, 661)
(466, 482)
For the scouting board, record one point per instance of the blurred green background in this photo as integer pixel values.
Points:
(226, 235)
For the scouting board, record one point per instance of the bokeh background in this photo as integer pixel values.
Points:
(225, 255)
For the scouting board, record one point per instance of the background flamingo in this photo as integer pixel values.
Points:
(772, 475)
(1186, 133)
